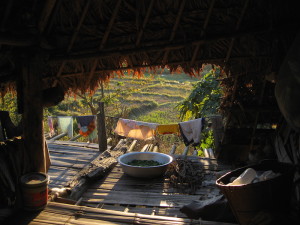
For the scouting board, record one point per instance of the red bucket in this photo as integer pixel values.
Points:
(34, 191)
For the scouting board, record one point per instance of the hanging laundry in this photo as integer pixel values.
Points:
(51, 127)
(66, 124)
(191, 131)
(168, 129)
(135, 129)
(86, 124)
(94, 134)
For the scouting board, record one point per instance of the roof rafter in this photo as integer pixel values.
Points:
(104, 39)
(216, 60)
(6, 14)
(140, 33)
(75, 34)
(195, 53)
(46, 13)
(49, 24)
(160, 46)
(236, 29)
(166, 54)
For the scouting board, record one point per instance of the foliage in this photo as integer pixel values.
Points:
(161, 117)
(9, 103)
(204, 99)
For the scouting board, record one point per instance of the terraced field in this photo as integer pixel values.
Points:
(152, 99)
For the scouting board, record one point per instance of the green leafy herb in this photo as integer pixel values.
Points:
(143, 163)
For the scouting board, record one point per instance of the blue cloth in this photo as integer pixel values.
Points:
(84, 121)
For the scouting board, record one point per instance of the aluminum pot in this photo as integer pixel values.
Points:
(145, 172)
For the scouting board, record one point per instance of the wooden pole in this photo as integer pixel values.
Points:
(33, 114)
(101, 128)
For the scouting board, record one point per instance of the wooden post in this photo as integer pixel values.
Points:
(33, 114)
(102, 140)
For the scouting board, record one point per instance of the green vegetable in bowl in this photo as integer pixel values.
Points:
(143, 163)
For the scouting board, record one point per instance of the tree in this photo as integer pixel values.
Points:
(204, 99)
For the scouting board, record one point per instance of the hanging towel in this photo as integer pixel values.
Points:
(135, 129)
(66, 124)
(168, 129)
(86, 124)
(190, 131)
(51, 127)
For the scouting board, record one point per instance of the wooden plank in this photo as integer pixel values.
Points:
(33, 114)
(102, 137)
(73, 143)
(58, 137)
(139, 198)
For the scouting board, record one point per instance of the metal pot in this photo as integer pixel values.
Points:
(145, 172)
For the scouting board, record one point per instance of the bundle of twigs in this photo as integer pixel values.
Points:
(185, 175)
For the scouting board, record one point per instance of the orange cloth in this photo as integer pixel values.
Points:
(168, 129)
(135, 129)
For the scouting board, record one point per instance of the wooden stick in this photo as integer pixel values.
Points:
(173, 149)
(144, 149)
(58, 136)
(140, 34)
(155, 46)
(174, 30)
(209, 12)
(75, 34)
(33, 114)
(131, 147)
(105, 37)
(45, 15)
(75, 137)
(236, 28)
(97, 169)
(102, 138)
(6, 14)
(185, 151)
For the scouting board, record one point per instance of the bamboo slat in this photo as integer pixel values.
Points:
(58, 213)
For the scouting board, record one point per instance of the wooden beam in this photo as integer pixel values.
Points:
(212, 60)
(257, 114)
(17, 41)
(33, 114)
(6, 14)
(209, 12)
(104, 39)
(140, 33)
(96, 170)
(226, 61)
(75, 34)
(160, 46)
(45, 15)
(236, 28)
(174, 30)
(53, 15)
(102, 137)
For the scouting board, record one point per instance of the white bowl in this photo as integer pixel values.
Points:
(145, 172)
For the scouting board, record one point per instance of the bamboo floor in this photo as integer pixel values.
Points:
(120, 192)
(118, 198)
(67, 159)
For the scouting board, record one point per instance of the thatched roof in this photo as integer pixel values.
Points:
(77, 43)
(80, 42)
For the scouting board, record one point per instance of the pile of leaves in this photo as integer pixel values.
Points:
(185, 175)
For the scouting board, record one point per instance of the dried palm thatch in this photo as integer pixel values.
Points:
(77, 44)
(81, 42)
